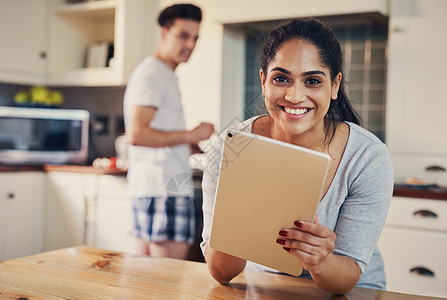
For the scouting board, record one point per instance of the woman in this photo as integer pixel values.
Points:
(302, 82)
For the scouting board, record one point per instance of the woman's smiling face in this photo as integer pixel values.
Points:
(298, 90)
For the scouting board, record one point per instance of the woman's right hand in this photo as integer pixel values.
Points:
(311, 242)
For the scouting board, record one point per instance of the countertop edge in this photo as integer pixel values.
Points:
(432, 194)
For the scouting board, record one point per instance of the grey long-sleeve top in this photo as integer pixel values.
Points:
(354, 207)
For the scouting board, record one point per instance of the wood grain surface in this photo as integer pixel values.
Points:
(88, 273)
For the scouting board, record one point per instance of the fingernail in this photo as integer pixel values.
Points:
(283, 233)
(287, 249)
(281, 241)
(298, 224)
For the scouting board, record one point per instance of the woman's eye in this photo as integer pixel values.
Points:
(313, 81)
(280, 79)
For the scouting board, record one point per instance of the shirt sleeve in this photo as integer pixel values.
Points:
(146, 86)
(209, 185)
(363, 213)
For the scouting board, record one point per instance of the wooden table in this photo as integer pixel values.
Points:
(88, 273)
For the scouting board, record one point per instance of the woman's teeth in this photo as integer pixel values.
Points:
(298, 111)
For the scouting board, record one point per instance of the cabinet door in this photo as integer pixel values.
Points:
(415, 260)
(114, 225)
(21, 211)
(23, 35)
(114, 219)
(65, 210)
(416, 106)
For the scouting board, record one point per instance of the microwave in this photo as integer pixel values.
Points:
(43, 136)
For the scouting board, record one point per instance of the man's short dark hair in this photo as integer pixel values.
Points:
(179, 11)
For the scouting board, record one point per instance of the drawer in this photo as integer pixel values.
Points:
(20, 181)
(112, 186)
(419, 166)
(418, 213)
(79, 182)
(415, 261)
(65, 181)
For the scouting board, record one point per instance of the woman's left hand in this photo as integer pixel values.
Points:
(310, 242)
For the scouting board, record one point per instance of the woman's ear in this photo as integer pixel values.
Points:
(262, 76)
(336, 86)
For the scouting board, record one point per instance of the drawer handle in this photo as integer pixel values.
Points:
(421, 271)
(425, 214)
(435, 168)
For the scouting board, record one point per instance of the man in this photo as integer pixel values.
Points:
(159, 176)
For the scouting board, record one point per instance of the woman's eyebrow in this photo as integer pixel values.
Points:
(282, 70)
(285, 71)
(313, 73)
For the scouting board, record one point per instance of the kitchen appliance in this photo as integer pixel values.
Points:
(43, 136)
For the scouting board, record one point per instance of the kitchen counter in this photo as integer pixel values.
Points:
(436, 193)
(83, 169)
(14, 168)
(89, 273)
(61, 168)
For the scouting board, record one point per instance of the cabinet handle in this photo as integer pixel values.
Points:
(435, 168)
(425, 214)
(11, 196)
(421, 271)
(397, 29)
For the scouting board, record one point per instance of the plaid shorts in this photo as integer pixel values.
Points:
(158, 219)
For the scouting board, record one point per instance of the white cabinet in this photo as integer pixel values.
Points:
(416, 106)
(114, 217)
(46, 41)
(23, 36)
(90, 209)
(76, 26)
(413, 245)
(21, 214)
(67, 199)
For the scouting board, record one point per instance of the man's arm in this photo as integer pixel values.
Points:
(141, 134)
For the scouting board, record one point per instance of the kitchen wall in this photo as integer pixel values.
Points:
(105, 105)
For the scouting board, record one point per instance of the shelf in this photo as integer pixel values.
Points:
(101, 9)
(87, 77)
(75, 27)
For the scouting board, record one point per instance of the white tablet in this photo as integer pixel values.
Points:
(264, 185)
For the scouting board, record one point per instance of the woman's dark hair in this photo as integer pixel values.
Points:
(323, 38)
(179, 11)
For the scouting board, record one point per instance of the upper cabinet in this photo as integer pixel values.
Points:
(117, 34)
(416, 124)
(77, 27)
(23, 36)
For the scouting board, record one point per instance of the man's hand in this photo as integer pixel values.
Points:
(200, 133)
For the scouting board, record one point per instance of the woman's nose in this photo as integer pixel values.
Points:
(294, 94)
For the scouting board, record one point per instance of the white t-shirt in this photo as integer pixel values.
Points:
(165, 171)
